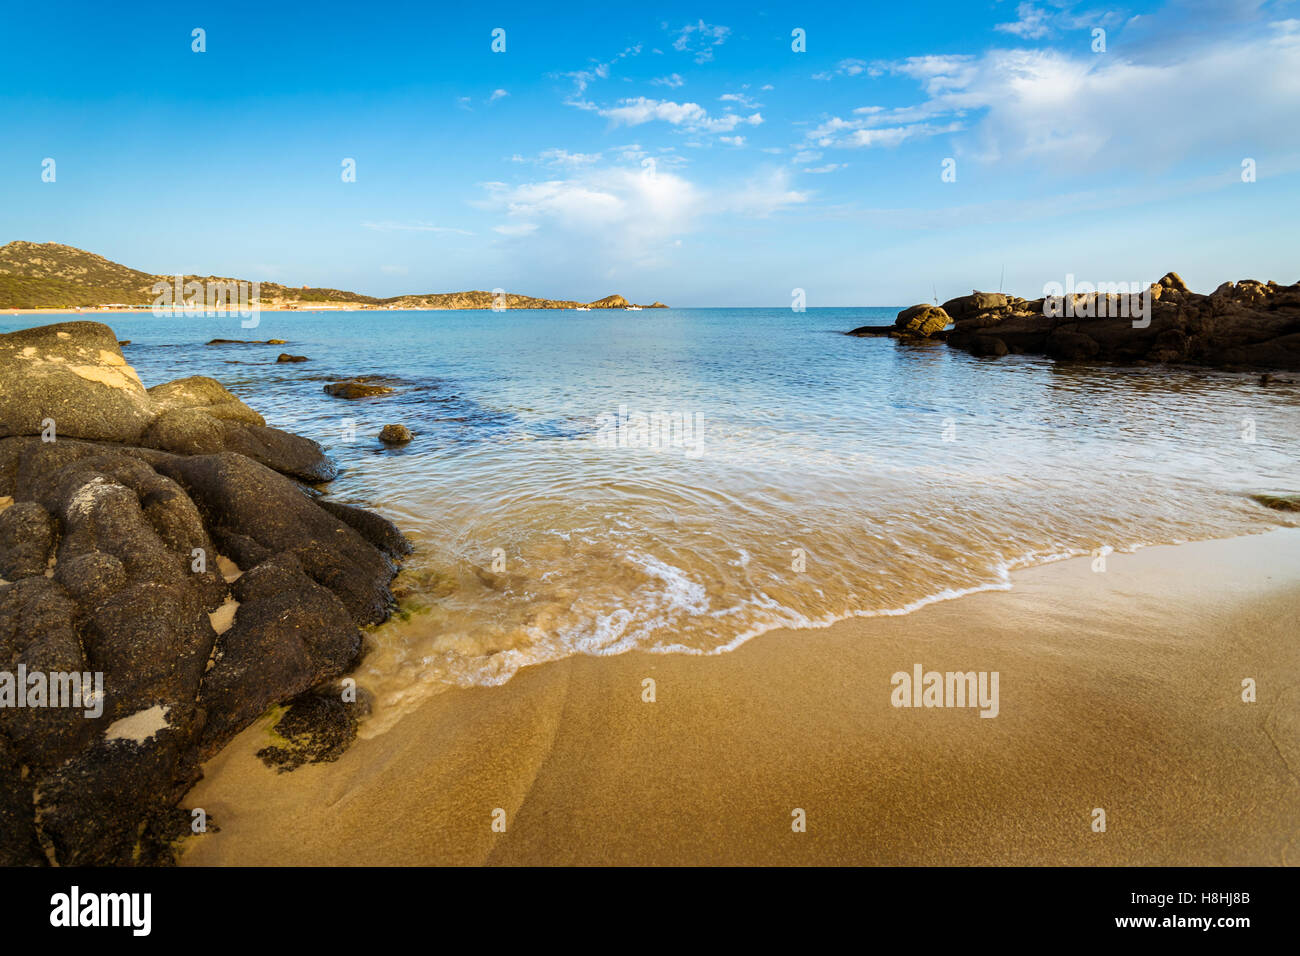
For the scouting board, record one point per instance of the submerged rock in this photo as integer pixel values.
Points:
(356, 388)
(1279, 502)
(248, 342)
(395, 434)
(111, 552)
(286, 357)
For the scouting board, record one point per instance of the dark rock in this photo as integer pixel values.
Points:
(91, 577)
(135, 533)
(1279, 502)
(371, 525)
(286, 357)
(1247, 324)
(288, 635)
(316, 728)
(395, 434)
(188, 431)
(113, 803)
(38, 631)
(27, 535)
(246, 503)
(248, 342)
(356, 389)
(988, 346)
(19, 844)
(1072, 346)
(872, 330)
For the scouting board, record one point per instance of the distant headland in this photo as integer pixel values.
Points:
(48, 276)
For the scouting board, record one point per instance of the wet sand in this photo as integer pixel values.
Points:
(1118, 690)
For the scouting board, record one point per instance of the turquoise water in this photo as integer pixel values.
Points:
(807, 476)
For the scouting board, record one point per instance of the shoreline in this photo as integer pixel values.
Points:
(1119, 690)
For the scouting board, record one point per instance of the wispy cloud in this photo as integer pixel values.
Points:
(599, 71)
(700, 39)
(688, 116)
(1031, 25)
(559, 157)
(391, 226)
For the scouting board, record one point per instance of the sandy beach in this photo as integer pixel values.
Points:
(1119, 690)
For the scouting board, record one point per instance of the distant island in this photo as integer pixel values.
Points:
(50, 276)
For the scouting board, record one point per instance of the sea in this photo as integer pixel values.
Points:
(682, 480)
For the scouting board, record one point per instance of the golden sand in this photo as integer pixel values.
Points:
(1119, 690)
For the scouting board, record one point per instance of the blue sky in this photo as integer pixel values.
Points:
(682, 152)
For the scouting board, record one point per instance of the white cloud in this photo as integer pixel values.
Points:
(732, 140)
(584, 78)
(1031, 25)
(1084, 110)
(672, 81)
(612, 216)
(497, 95)
(621, 217)
(828, 168)
(763, 195)
(516, 229)
(849, 67)
(700, 39)
(688, 116)
(559, 157)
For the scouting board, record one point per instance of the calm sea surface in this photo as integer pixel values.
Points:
(683, 479)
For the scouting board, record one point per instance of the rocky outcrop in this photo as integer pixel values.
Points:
(1246, 324)
(395, 434)
(120, 562)
(69, 379)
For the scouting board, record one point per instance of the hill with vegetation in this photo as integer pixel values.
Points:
(47, 275)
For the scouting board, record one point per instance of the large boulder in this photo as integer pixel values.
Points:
(289, 634)
(966, 306)
(205, 394)
(194, 431)
(255, 513)
(73, 374)
(922, 320)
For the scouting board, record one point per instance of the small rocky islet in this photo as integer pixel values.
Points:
(1246, 324)
(170, 540)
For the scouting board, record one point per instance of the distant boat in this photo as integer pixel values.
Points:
(582, 308)
(632, 308)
